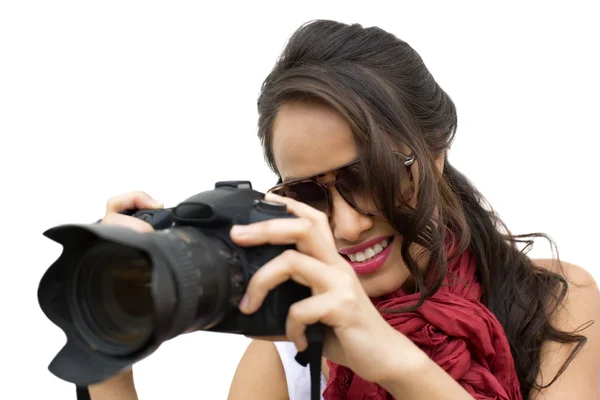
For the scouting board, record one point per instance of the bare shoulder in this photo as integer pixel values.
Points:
(579, 313)
(259, 374)
(574, 274)
(581, 305)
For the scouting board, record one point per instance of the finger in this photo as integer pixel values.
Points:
(129, 222)
(293, 265)
(134, 200)
(307, 312)
(297, 207)
(318, 218)
(310, 239)
(280, 231)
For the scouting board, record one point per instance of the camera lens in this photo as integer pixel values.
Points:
(113, 297)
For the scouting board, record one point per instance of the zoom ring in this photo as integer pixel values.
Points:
(187, 278)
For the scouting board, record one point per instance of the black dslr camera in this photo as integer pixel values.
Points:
(118, 294)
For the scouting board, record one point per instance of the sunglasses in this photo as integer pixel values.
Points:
(350, 183)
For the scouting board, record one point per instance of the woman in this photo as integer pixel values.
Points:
(358, 130)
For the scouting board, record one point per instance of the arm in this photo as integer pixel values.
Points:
(412, 378)
(581, 379)
(259, 375)
(119, 387)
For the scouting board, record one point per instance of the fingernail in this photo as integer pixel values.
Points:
(157, 204)
(245, 303)
(239, 230)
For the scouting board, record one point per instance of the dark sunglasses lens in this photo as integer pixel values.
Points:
(308, 192)
(351, 184)
(352, 187)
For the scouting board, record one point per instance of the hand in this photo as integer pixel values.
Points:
(359, 338)
(121, 385)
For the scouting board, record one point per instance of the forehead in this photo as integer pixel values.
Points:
(310, 137)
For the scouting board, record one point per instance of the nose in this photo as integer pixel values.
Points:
(346, 222)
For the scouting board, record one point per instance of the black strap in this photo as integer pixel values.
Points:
(83, 393)
(315, 334)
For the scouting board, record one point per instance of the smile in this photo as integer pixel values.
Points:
(366, 260)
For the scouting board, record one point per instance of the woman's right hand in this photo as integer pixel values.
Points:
(121, 386)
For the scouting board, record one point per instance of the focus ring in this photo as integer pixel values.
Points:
(186, 276)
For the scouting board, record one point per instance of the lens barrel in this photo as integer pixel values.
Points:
(111, 298)
(116, 290)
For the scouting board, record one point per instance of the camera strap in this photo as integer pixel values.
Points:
(315, 335)
(83, 393)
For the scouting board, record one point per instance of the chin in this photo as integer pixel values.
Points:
(391, 276)
(379, 284)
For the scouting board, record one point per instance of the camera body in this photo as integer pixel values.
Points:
(118, 294)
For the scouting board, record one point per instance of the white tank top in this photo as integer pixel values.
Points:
(297, 376)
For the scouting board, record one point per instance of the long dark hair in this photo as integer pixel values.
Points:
(383, 88)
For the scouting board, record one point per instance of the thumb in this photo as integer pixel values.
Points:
(134, 200)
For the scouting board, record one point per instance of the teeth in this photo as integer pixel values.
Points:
(370, 252)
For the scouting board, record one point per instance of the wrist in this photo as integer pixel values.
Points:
(411, 377)
(119, 386)
(405, 365)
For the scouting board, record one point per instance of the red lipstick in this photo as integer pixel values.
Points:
(373, 264)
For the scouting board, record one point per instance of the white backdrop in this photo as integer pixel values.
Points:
(106, 97)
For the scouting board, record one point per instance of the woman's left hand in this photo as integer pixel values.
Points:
(359, 338)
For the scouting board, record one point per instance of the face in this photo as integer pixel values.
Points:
(309, 138)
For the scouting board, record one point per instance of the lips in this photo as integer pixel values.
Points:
(363, 246)
(373, 264)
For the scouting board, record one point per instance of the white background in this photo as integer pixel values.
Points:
(99, 98)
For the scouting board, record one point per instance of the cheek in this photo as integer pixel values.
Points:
(392, 276)
(397, 267)
(395, 274)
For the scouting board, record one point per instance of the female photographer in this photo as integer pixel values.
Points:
(427, 295)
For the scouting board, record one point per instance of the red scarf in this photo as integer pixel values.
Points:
(455, 330)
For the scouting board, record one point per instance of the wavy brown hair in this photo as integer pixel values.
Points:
(383, 88)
